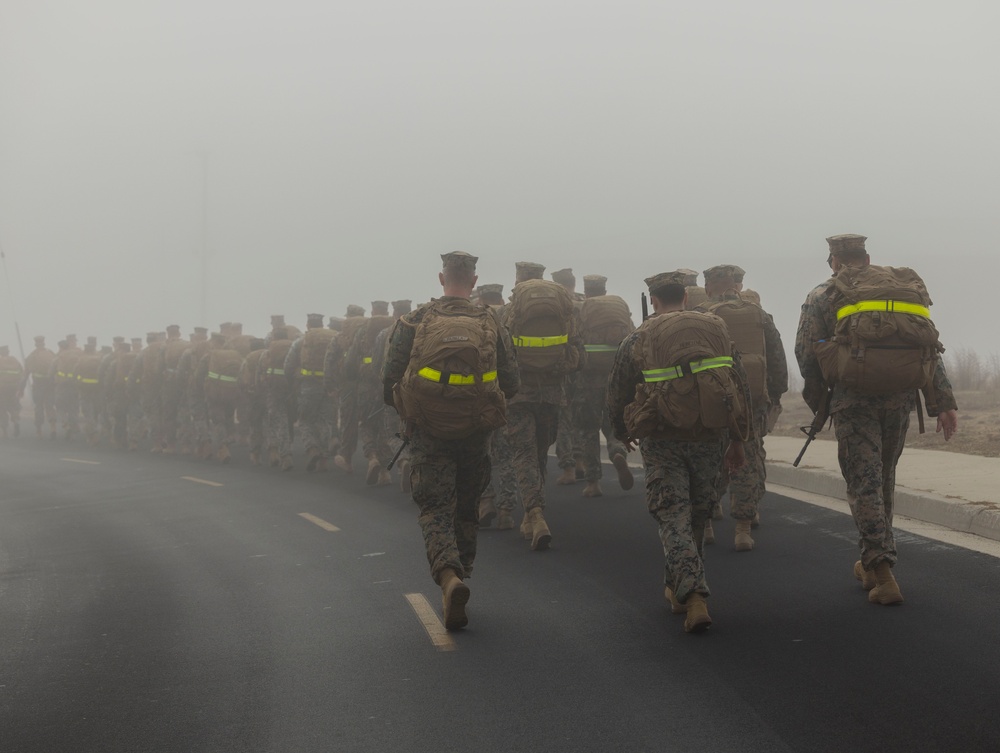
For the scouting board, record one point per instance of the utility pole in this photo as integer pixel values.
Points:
(203, 157)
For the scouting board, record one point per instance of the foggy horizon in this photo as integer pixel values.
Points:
(337, 150)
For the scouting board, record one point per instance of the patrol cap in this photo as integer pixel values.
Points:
(402, 306)
(564, 276)
(380, 308)
(152, 336)
(355, 310)
(225, 327)
(218, 337)
(105, 349)
(201, 330)
(137, 341)
(529, 270)
(237, 328)
(692, 276)
(459, 261)
(61, 344)
(117, 339)
(314, 320)
(490, 288)
(277, 320)
(663, 279)
(91, 340)
(595, 284)
(174, 329)
(724, 272)
(848, 243)
(70, 337)
(39, 338)
(335, 323)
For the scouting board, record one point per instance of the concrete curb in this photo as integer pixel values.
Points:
(982, 519)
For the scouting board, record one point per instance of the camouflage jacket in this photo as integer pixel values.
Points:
(397, 353)
(817, 322)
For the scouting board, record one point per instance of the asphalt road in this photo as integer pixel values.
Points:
(144, 611)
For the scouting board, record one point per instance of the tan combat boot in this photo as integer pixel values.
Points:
(343, 464)
(540, 534)
(254, 458)
(384, 478)
(371, 477)
(743, 541)
(886, 589)
(286, 463)
(505, 521)
(313, 456)
(581, 470)
(568, 477)
(525, 528)
(867, 577)
(455, 595)
(675, 606)
(273, 458)
(487, 511)
(709, 535)
(592, 489)
(625, 478)
(223, 455)
(697, 618)
(755, 523)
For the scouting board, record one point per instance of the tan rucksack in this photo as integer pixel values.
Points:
(745, 322)
(223, 374)
(314, 345)
(690, 388)
(541, 323)
(172, 352)
(375, 325)
(884, 340)
(277, 351)
(696, 296)
(450, 388)
(605, 320)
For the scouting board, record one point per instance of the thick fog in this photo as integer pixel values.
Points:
(325, 153)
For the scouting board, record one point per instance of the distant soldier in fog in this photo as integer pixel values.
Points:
(304, 370)
(278, 399)
(38, 365)
(11, 373)
(252, 402)
(88, 369)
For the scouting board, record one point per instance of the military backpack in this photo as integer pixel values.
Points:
(745, 322)
(605, 320)
(540, 318)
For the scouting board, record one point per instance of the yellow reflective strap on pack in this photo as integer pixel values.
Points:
(306, 372)
(540, 342)
(221, 377)
(279, 372)
(601, 348)
(894, 307)
(83, 380)
(675, 372)
(366, 359)
(434, 375)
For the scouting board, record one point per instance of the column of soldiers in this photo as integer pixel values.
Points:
(548, 368)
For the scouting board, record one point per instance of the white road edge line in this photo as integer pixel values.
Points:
(85, 462)
(320, 522)
(428, 618)
(201, 481)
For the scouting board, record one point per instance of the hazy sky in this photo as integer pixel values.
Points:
(348, 144)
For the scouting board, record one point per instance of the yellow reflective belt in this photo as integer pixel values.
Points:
(436, 376)
(601, 348)
(84, 380)
(306, 372)
(675, 372)
(61, 374)
(279, 372)
(367, 359)
(220, 377)
(540, 342)
(9, 371)
(897, 307)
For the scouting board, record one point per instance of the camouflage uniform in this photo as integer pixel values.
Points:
(146, 374)
(37, 365)
(219, 394)
(569, 436)
(10, 382)
(348, 389)
(67, 394)
(192, 428)
(359, 369)
(593, 420)
(447, 476)
(315, 405)
(88, 383)
(870, 429)
(253, 400)
(171, 390)
(278, 399)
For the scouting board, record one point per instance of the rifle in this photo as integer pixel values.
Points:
(645, 307)
(372, 415)
(816, 426)
(406, 441)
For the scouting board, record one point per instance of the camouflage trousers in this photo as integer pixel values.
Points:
(44, 397)
(448, 476)
(278, 422)
(372, 426)
(68, 406)
(680, 494)
(127, 419)
(170, 400)
(503, 479)
(569, 438)
(870, 438)
(150, 402)
(315, 415)
(746, 485)
(251, 419)
(592, 420)
(10, 406)
(531, 430)
(90, 407)
(221, 420)
(349, 420)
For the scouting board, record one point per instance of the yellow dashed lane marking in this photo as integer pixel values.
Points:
(201, 481)
(320, 522)
(85, 462)
(429, 619)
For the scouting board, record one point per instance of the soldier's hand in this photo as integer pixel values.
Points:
(735, 456)
(947, 422)
(630, 443)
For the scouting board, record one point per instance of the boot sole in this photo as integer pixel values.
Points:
(541, 542)
(889, 601)
(699, 626)
(485, 521)
(455, 617)
(625, 478)
(371, 478)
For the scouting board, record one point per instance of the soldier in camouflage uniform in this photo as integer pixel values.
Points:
(192, 422)
(680, 472)
(347, 389)
(167, 363)
(11, 372)
(252, 399)
(67, 394)
(88, 368)
(501, 496)
(305, 369)
(747, 485)
(870, 429)
(569, 439)
(37, 366)
(278, 398)
(389, 425)
(146, 374)
(448, 475)
(106, 381)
